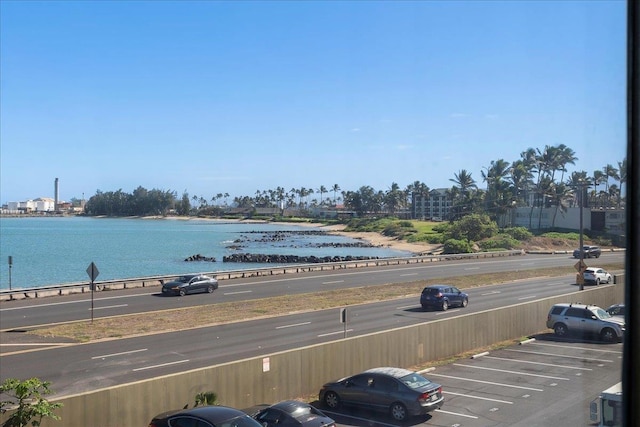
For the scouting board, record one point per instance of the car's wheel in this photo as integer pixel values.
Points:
(560, 329)
(183, 292)
(398, 411)
(597, 281)
(597, 255)
(608, 335)
(465, 302)
(331, 399)
(210, 289)
(445, 305)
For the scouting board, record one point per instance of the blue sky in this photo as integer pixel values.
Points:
(234, 97)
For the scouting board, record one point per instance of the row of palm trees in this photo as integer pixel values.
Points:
(536, 180)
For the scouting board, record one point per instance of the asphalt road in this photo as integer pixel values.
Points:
(78, 368)
(29, 312)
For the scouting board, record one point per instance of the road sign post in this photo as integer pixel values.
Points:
(10, 265)
(93, 272)
(343, 320)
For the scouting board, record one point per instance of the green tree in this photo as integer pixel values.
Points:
(28, 399)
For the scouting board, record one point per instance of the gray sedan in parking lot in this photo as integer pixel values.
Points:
(399, 392)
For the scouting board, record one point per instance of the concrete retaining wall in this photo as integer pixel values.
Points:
(301, 372)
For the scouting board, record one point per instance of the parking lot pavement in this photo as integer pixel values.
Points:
(544, 381)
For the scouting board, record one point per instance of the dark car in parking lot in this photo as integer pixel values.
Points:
(204, 416)
(443, 297)
(190, 283)
(588, 251)
(616, 310)
(396, 391)
(292, 413)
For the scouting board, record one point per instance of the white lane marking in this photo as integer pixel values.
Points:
(540, 363)
(236, 293)
(448, 311)
(472, 268)
(408, 274)
(486, 382)
(331, 283)
(38, 344)
(118, 354)
(407, 306)
(293, 325)
(510, 372)
(110, 306)
(529, 297)
(334, 333)
(456, 413)
(490, 293)
(477, 397)
(26, 307)
(561, 355)
(160, 366)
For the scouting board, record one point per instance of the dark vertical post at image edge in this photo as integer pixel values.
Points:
(631, 374)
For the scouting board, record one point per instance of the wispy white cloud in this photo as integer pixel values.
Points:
(355, 130)
(491, 116)
(404, 147)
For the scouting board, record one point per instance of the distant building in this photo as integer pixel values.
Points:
(436, 204)
(39, 205)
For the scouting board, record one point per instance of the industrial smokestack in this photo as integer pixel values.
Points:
(55, 192)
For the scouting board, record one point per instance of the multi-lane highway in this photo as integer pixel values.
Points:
(78, 368)
(28, 312)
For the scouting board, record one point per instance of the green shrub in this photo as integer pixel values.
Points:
(453, 246)
(501, 241)
(519, 233)
(557, 235)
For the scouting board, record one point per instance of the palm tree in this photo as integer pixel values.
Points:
(622, 167)
(598, 178)
(610, 172)
(498, 195)
(461, 201)
(321, 190)
(335, 189)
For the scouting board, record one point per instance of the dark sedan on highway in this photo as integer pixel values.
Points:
(292, 413)
(190, 283)
(399, 392)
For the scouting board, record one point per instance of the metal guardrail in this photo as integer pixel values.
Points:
(149, 281)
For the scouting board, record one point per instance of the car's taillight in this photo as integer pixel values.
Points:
(427, 395)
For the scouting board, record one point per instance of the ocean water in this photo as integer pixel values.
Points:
(58, 250)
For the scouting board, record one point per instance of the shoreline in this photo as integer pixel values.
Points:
(374, 238)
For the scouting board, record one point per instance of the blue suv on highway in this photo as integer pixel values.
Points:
(443, 297)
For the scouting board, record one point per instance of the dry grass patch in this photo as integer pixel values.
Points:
(208, 315)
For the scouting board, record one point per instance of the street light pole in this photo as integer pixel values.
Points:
(581, 277)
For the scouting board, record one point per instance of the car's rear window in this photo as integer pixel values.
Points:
(431, 291)
(415, 380)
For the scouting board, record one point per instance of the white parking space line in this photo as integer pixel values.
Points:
(555, 365)
(332, 282)
(561, 355)
(367, 420)
(577, 348)
(104, 356)
(529, 297)
(236, 293)
(334, 333)
(510, 372)
(161, 365)
(477, 397)
(456, 413)
(293, 325)
(110, 306)
(486, 382)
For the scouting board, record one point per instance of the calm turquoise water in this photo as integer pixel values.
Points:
(51, 251)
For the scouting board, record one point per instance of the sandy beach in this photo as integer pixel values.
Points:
(373, 238)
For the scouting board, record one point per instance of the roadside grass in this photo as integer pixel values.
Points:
(212, 314)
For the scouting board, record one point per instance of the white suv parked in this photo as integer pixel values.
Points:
(585, 319)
